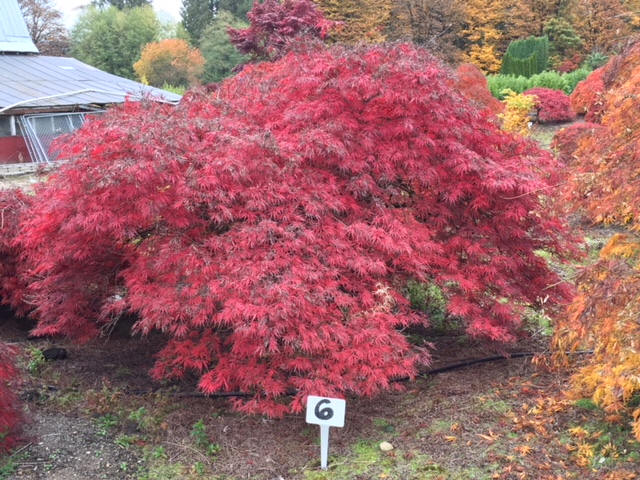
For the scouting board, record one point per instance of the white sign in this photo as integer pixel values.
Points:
(326, 412)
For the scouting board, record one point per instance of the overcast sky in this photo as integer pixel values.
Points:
(166, 9)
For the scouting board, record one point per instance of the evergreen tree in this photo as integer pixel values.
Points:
(221, 56)
(120, 4)
(562, 37)
(196, 15)
(238, 8)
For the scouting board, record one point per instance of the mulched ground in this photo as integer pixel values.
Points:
(462, 421)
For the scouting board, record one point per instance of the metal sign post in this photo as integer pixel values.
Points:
(326, 412)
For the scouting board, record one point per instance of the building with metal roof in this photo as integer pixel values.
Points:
(43, 97)
(14, 36)
(36, 82)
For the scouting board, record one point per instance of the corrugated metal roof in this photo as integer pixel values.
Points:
(14, 36)
(40, 81)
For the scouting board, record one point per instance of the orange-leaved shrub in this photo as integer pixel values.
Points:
(604, 317)
(171, 61)
(587, 98)
(604, 181)
(566, 141)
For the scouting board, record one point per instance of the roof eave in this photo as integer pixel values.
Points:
(17, 47)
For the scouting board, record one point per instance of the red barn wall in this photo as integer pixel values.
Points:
(13, 150)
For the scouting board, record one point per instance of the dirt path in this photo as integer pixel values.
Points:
(66, 447)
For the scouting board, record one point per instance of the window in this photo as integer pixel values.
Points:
(40, 132)
(5, 126)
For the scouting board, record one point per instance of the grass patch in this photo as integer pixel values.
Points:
(492, 405)
(367, 461)
(106, 423)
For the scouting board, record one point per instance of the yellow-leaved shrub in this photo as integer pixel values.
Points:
(515, 117)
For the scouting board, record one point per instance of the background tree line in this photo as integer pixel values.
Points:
(112, 34)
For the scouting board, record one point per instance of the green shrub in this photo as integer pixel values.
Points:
(552, 80)
(498, 84)
(36, 360)
(526, 56)
(574, 78)
(174, 89)
(595, 60)
(428, 298)
(556, 81)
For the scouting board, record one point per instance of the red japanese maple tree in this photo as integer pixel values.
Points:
(10, 412)
(13, 203)
(588, 96)
(269, 229)
(552, 105)
(275, 25)
(12, 288)
(473, 84)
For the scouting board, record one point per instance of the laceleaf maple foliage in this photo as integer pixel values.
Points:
(10, 413)
(567, 140)
(604, 317)
(473, 84)
(171, 61)
(588, 96)
(551, 105)
(604, 185)
(275, 25)
(269, 229)
(13, 202)
(604, 182)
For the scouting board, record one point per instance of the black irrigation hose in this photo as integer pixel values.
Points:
(426, 373)
(468, 363)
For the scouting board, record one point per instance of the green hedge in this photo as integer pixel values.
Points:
(526, 56)
(558, 81)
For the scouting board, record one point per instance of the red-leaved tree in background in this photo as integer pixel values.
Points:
(473, 84)
(587, 97)
(270, 229)
(552, 105)
(275, 24)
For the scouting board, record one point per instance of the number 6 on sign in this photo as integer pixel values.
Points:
(326, 412)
